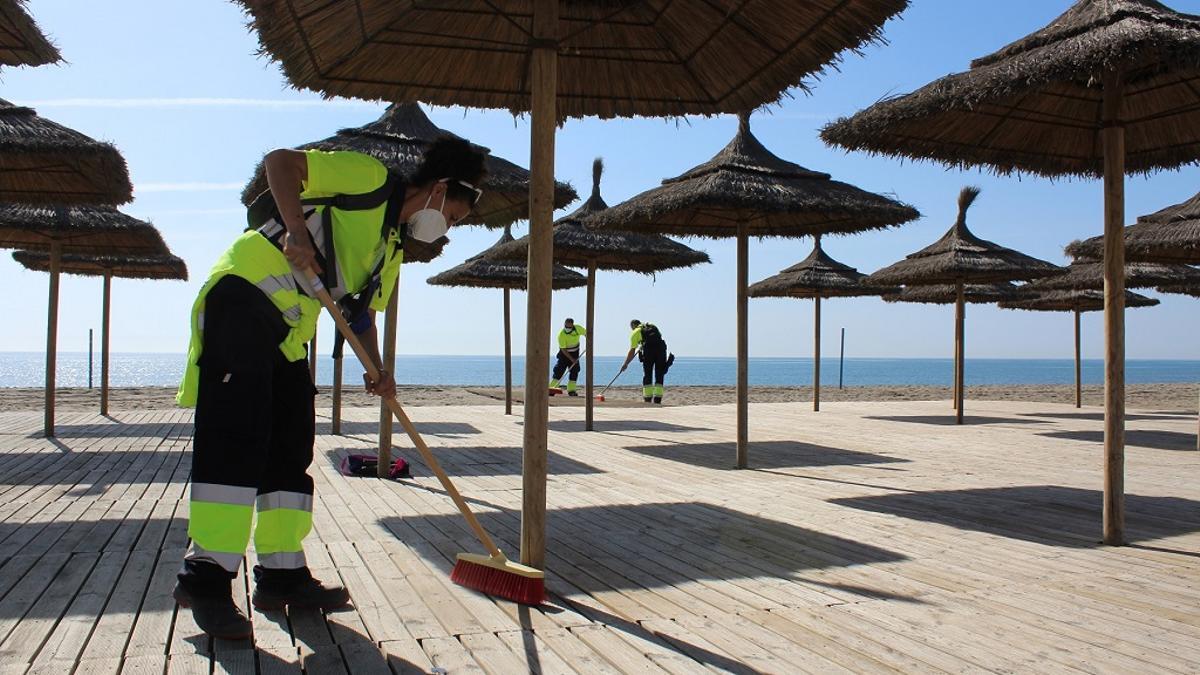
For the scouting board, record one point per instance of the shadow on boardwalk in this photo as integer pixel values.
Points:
(1141, 438)
(763, 455)
(1047, 514)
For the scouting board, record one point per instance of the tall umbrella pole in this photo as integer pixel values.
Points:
(389, 364)
(960, 310)
(335, 425)
(743, 350)
(105, 322)
(543, 79)
(588, 415)
(52, 335)
(507, 354)
(1113, 134)
(1079, 375)
(816, 353)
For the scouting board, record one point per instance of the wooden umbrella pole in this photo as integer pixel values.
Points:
(817, 353)
(589, 412)
(507, 353)
(543, 80)
(960, 310)
(389, 364)
(743, 351)
(105, 320)
(1114, 311)
(1079, 378)
(52, 336)
(335, 425)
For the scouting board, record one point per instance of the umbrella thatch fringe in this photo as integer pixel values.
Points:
(817, 276)
(1034, 105)
(94, 230)
(947, 294)
(125, 267)
(745, 182)
(576, 245)
(46, 163)
(959, 255)
(399, 139)
(482, 270)
(1087, 274)
(22, 43)
(1170, 235)
(616, 58)
(1085, 300)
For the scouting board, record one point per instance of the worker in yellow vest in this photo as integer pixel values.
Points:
(346, 217)
(568, 357)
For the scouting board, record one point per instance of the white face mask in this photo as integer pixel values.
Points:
(428, 225)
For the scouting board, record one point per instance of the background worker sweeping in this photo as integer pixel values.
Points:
(568, 357)
(647, 343)
(345, 216)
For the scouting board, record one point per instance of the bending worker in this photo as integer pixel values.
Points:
(343, 215)
(647, 343)
(568, 356)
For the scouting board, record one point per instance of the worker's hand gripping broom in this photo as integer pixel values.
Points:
(493, 573)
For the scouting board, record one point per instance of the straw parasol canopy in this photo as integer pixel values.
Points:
(614, 58)
(399, 138)
(576, 245)
(164, 266)
(483, 271)
(1071, 300)
(124, 267)
(1075, 301)
(961, 257)
(44, 162)
(1089, 275)
(1171, 235)
(747, 190)
(95, 230)
(559, 59)
(817, 276)
(22, 43)
(1106, 88)
(947, 294)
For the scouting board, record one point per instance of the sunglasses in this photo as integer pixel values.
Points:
(478, 192)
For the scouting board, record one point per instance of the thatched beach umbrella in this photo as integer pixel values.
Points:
(42, 162)
(107, 266)
(61, 230)
(483, 271)
(957, 259)
(21, 41)
(745, 191)
(1106, 88)
(817, 276)
(1085, 274)
(559, 59)
(399, 138)
(1075, 301)
(575, 245)
(1171, 235)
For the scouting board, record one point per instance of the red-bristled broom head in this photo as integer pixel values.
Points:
(498, 576)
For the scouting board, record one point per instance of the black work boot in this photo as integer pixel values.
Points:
(572, 393)
(647, 399)
(275, 589)
(658, 400)
(214, 613)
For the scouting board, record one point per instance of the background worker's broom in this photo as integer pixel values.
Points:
(600, 396)
(493, 573)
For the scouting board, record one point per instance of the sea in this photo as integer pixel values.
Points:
(27, 369)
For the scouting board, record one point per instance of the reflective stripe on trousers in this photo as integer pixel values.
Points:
(221, 517)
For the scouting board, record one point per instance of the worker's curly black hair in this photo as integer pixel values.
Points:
(454, 158)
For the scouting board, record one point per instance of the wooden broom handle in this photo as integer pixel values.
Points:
(373, 372)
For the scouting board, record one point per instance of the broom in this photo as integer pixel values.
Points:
(492, 574)
(600, 396)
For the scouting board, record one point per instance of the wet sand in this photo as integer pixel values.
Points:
(1173, 397)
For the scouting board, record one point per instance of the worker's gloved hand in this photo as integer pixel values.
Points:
(385, 387)
(300, 253)
(624, 366)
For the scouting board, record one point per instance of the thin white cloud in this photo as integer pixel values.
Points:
(195, 186)
(196, 102)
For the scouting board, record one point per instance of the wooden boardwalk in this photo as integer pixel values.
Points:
(869, 537)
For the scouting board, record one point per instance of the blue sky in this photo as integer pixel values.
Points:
(177, 86)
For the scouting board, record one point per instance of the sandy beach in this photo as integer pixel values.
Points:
(1164, 397)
